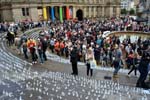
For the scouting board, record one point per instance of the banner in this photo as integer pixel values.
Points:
(44, 13)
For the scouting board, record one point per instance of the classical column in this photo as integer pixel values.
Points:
(74, 12)
(44, 13)
(89, 11)
(118, 11)
(60, 14)
(111, 11)
(67, 13)
(94, 9)
(103, 12)
(99, 11)
(84, 12)
(56, 9)
(52, 13)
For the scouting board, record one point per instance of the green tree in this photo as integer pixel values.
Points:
(123, 11)
(132, 11)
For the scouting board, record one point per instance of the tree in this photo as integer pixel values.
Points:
(132, 11)
(123, 11)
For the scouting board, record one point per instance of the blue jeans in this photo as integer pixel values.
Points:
(116, 70)
(41, 57)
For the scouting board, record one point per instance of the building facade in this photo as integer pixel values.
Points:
(35, 10)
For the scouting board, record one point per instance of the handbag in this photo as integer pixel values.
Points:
(93, 64)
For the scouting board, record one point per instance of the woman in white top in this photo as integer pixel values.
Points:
(89, 57)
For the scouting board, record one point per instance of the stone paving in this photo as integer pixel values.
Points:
(52, 81)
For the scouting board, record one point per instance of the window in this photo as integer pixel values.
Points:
(25, 11)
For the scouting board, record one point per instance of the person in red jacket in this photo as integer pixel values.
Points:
(62, 46)
(57, 47)
(31, 45)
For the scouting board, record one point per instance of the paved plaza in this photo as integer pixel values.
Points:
(20, 80)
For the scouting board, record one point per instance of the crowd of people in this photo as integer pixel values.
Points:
(83, 41)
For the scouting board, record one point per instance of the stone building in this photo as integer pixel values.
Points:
(18, 10)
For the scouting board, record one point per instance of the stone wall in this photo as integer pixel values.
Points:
(6, 15)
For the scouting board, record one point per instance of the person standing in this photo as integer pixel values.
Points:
(97, 54)
(25, 49)
(89, 57)
(40, 51)
(33, 54)
(62, 46)
(44, 45)
(117, 63)
(31, 45)
(57, 47)
(74, 60)
(143, 69)
(136, 60)
(130, 59)
(52, 42)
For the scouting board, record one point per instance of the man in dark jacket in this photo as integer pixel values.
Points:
(45, 45)
(97, 54)
(74, 60)
(143, 69)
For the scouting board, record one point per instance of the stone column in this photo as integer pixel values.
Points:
(103, 11)
(74, 12)
(111, 11)
(56, 12)
(84, 11)
(90, 11)
(117, 11)
(94, 9)
(100, 11)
